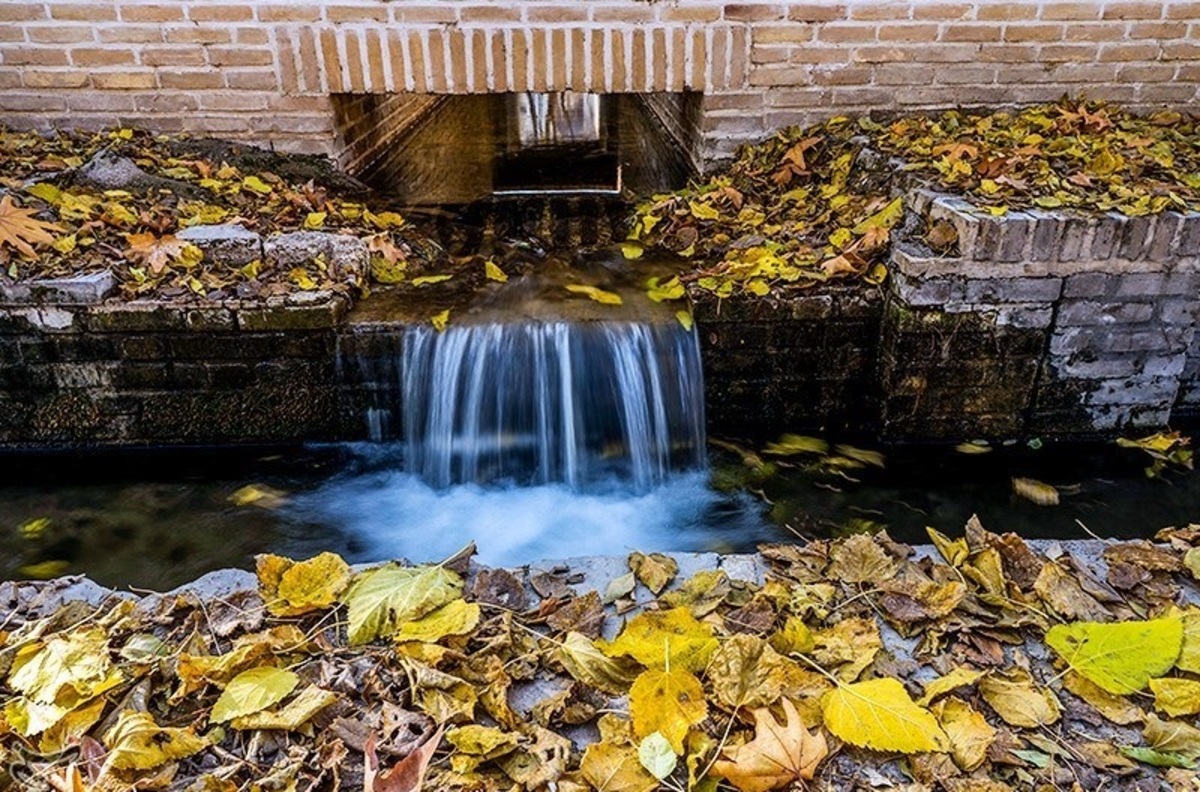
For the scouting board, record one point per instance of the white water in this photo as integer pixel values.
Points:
(391, 513)
(550, 402)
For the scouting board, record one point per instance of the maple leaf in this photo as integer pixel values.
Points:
(158, 252)
(20, 229)
(407, 775)
(779, 754)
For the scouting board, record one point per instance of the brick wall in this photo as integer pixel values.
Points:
(265, 71)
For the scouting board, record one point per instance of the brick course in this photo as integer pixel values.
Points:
(814, 59)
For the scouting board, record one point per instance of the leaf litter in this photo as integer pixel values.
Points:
(394, 677)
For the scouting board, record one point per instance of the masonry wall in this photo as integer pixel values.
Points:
(265, 71)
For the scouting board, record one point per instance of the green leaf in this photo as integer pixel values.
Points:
(253, 691)
(381, 600)
(1157, 758)
(657, 756)
(1121, 657)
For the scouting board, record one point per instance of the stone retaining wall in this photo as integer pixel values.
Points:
(1040, 325)
(266, 71)
(132, 374)
(1044, 324)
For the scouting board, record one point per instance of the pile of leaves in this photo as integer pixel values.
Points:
(814, 203)
(855, 665)
(53, 224)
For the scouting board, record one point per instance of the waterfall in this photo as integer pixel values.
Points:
(554, 401)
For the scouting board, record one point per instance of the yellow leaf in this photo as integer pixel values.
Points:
(383, 599)
(1189, 652)
(684, 317)
(879, 714)
(315, 220)
(425, 280)
(779, 755)
(258, 495)
(582, 660)
(758, 287)
(955, 551)
(457, 617)
(841, 238)
(665, 639)
(1176, 696)
(256, 185)
(1120, 657)
(1017, 700)
(478, 744)
(632, 250)
(493, 272)
(595, 293)
(668, 702)
(440, 320)
(1172, 737)
(65, 244)
(1036, 491)
(851, 645)
(66, 670)
(301, 278)
(970, 735)
(292, 589)
(253, 691)
(35, 528)
(1117, 709)
(615, 768)
(291, 716)
(670, 289)
(136, 742)
(793, 637)
(703, 211)
(384, 220)
(67, 731)
(958, 677)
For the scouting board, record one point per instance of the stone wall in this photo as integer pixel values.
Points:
(1044, 324)
(128, 374)
(266, 71)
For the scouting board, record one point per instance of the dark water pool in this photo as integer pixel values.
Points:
(158, 520)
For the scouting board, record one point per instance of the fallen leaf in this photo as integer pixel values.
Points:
(407, 775)
(136, 742)
(665, 639)
(21, 230)
(780, 753)
(1120, 657)
(1016, 699)
(878, 714)
(667, 701)
(969, 733)
(615, 768)
(381, 600)
(253, 691)
(595, 293)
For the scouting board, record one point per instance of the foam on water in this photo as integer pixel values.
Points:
(392, 514)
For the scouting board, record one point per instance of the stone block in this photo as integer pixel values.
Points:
(1034, 316)
(1142, 391)
(1136, 237)
(1014, 290)
(1089, 284)
(344, 254)
(1087, 366)
(1188, 243)
(292, 317)
(962, 215)
(1162, 242)
(1179, 312)
(1047, 231)
(1088, 312)
(1074, 237)
(77, 290)
(226, 243)
(917, 291)
(1106, 235)
(1165, 365)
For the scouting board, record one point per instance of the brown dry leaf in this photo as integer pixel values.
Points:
(1062, 592)
(584, 614)
(860, 559)
(20, 228)
(746, 672)
(780, 753)
(156, 253)
(407, 775)
(849, 646)
(655, 571)
(1020, 702)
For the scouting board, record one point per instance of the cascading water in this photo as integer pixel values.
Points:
(552, 401)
